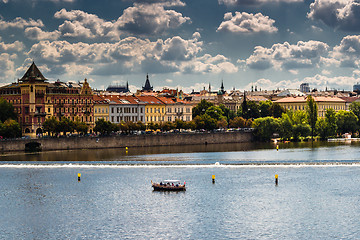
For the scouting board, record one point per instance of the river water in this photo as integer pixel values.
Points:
(318, 195)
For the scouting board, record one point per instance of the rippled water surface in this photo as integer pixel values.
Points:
(318, 195)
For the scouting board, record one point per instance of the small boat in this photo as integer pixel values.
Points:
(169, 185)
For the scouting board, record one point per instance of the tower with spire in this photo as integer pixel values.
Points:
(147, 86)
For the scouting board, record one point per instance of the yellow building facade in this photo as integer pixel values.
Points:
(323, 103)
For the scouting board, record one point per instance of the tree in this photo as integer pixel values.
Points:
(346, 121)
(7, 111)
(265, 108)
(81, 127)
(222, 123)
(312, 112)
(249, 110)
(265, 128)
(205, 122)
(229, 114)
(103, 127)
(201, 108)
(276, 110)
(50, 124)
(10, 129)
(322, 128)
(286, 125)
(66, 125)
(238, 122)
(355, 108)
(330, 117)
(215, 112)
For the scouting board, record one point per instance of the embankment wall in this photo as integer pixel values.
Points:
(122, 141)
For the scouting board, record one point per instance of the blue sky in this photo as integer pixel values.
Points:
(184, 44)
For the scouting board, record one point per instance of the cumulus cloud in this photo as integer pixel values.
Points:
(254, 2)
(7, 67)
(131, 55)
(167, 3)
(36, 33)
(341, 14)
(12, 47)
(247, 23)
(81, 24)
(20, 23)
(140, 19)
(149, 19)
(348, 51)
(289, 57)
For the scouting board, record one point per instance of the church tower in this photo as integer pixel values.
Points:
(147, 86)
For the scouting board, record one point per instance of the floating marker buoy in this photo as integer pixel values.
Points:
(277, 147)
(213, 178)
(276, 179)
(79, 176)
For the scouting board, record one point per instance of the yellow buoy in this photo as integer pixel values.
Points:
(79, 176)
(213, 178)
(276, 179)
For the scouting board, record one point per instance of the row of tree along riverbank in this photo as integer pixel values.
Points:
(123, 141)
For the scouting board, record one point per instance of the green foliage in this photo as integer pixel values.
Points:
(286, 126)
(201, 108)
(346, 122)
(238, 122)
(330, 117)
(205, 122)
(104, 127)
(355, 108)
(215, 112)
(265, 108)
(312, 112)
(10, 129)
(7, 111)
(276, 110)
(265, 127)
(222, 123)
(249, 110)
(50, 125)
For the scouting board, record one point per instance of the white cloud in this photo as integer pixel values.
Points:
(254, 2)
(169, 80)
(140, 19)
(289, 57)
(20, 23)
(82, 24)
(7, 67)
(342, 14)
(36, 33)
(348, 52)
(131, 55)
(149, 19)
(247, 23)
(14, 47)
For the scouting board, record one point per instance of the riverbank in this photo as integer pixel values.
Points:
(123, 141)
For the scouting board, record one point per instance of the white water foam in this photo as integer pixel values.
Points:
(123, 166)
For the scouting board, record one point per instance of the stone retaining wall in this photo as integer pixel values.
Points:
(122, 141)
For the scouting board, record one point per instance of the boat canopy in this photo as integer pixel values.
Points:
(172, 181)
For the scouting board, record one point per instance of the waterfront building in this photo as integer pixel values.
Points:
(35, 99)
(125, 108)
(101, 108)
(324, 103)
(177, 109)
(154, 109)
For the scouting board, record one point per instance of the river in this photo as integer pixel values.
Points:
(317, 196)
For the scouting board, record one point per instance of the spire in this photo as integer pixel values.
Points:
(209, 88)
(222, 86)
(147, 86)
(127, 85)
(33, 74)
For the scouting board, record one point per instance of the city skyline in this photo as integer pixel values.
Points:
(184, 44)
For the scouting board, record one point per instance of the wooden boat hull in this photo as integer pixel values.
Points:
(158, 187)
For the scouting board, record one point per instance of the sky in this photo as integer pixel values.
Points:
(184, 44)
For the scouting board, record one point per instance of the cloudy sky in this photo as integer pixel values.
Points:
(184, 43)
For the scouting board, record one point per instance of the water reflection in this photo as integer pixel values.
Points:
(120, 154)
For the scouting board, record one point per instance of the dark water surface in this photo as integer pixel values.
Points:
(318, 196)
